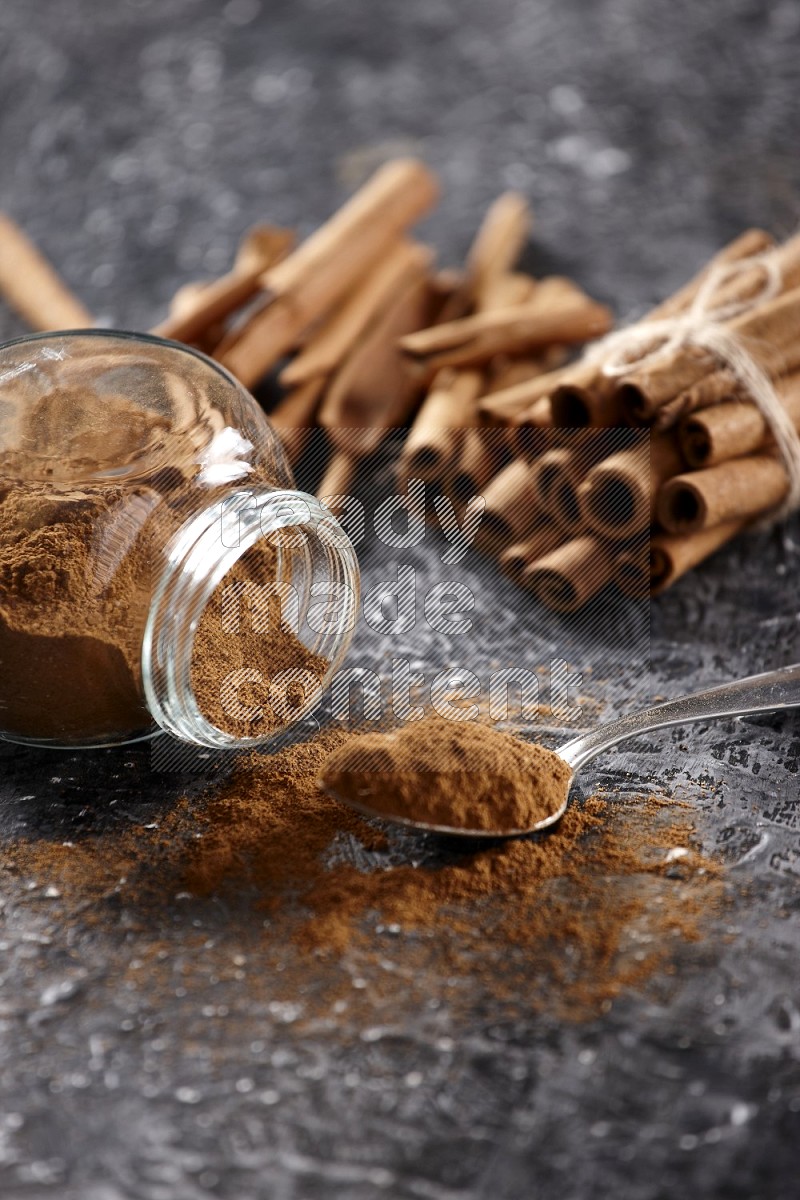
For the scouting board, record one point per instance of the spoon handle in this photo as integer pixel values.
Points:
(769, 692)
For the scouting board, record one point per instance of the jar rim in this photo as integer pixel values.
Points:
(197, 562)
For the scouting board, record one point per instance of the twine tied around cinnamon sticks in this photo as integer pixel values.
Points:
(646, 344)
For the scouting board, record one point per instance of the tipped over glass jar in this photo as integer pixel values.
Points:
(158, 569)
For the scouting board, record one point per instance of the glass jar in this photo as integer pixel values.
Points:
(158, 569)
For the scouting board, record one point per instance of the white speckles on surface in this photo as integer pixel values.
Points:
(60, 991)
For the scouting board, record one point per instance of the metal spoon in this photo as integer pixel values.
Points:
(770, 692)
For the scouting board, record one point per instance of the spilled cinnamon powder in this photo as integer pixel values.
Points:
(451, 773)
(575, 915)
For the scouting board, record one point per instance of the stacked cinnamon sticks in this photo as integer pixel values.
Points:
(584, 477)
(646, 513)
(331, 316)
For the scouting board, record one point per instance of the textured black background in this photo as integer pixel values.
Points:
(138, 140)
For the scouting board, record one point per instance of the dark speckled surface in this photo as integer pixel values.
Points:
(138, 140)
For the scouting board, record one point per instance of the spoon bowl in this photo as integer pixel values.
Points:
(772, 691)
(360, 804)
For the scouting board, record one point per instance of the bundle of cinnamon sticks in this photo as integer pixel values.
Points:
(704, 466)
(586, 477)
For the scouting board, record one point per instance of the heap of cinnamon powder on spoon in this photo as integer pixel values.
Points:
(453, 774)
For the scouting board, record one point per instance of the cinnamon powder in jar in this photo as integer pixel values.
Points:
(251, 673)
(74, 572)
(92, 489)
(69, 662)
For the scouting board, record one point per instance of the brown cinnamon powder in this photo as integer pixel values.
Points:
(575, 916)
(80, 553)
(243, 649)
(456, 774)
(71, 598)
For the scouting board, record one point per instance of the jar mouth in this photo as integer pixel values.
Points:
(312, 560)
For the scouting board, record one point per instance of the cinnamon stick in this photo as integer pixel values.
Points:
(338, 479)
(582, 395)
(372, 392)
(481, 456)
(618, 496)
(508, 372)
(445, 282)
(737, 490)
(558, 311)
(452, 294)
(528, 433)
(597, 400)
(586, 398)
(555, 356)
(449, 406)
(671, 555)
(719, 385)
(770, 330)
(565, 507)
(324, 266)
(434, 438)
(517, 558)
(327, 265)
(565, 578)
(431, 443)
(632, 568)
(186, 300)
(498, 244)
(513, 402)
(554, 466)
(510, 511)
(734, 429)
(744, 245)
(293, 416)
(329, 346)
(33, 287)
(641, 393)
(750, 283)
(559, 472)
(261, 247)
(505, 291)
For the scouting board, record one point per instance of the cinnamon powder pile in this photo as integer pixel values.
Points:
(564, 921)
(457, 774)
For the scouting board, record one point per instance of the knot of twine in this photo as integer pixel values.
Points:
(648, 343)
